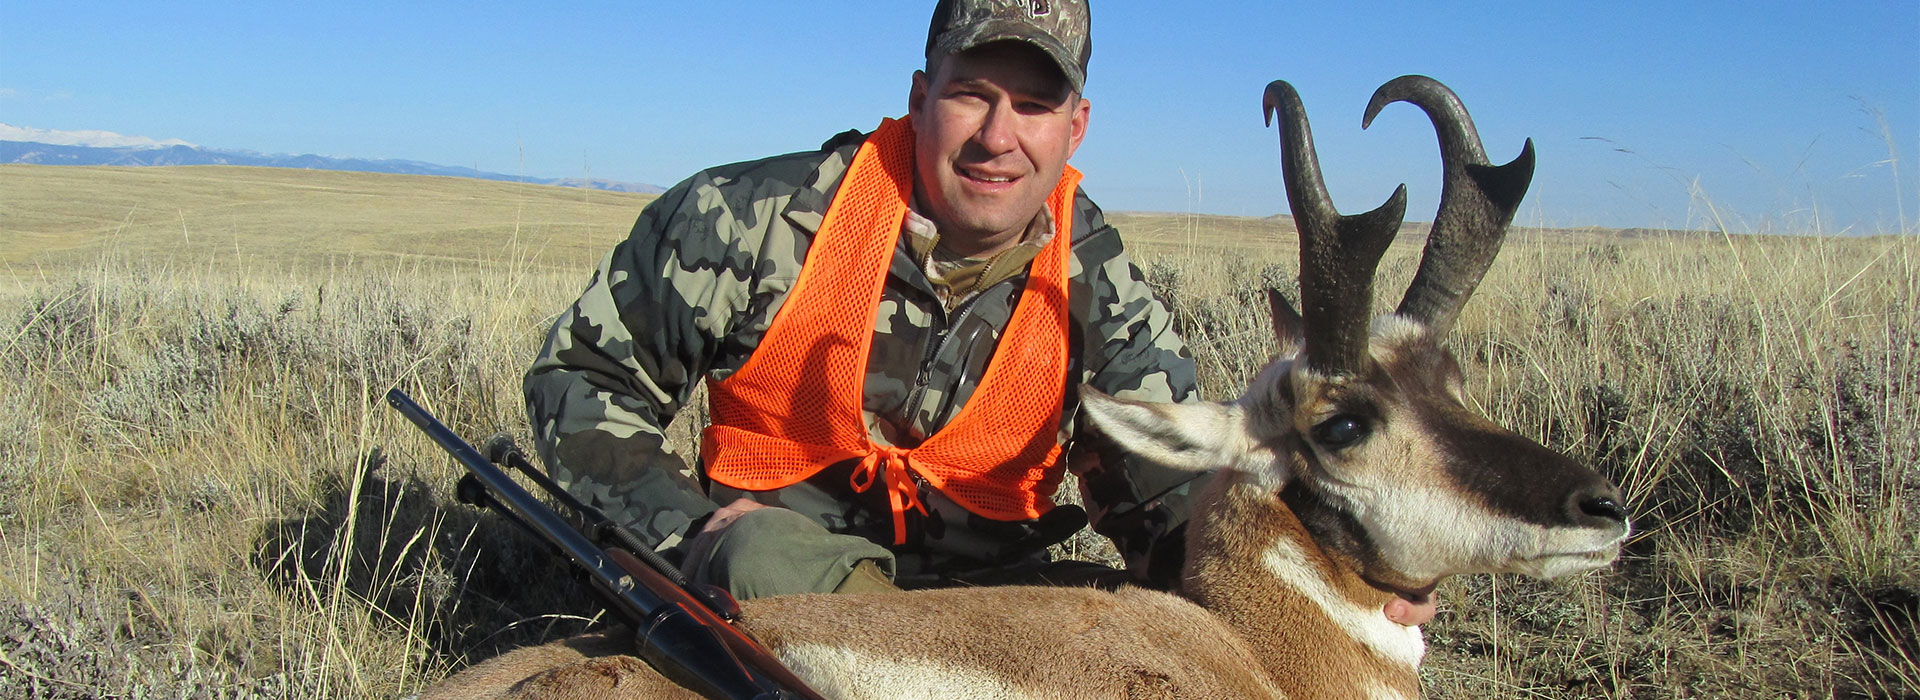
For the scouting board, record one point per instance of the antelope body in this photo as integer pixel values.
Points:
(1351, 473)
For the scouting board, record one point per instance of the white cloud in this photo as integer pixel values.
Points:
(7, 93)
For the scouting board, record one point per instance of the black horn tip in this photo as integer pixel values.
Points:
(1278, 94)
(1370, 233)
(1506, 185)
(1394, 209)
(1524, 161)
(1406, 88)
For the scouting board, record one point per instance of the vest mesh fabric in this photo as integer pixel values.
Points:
(795, 406)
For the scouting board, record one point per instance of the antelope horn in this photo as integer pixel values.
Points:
(1338, 254)
(1477, 201)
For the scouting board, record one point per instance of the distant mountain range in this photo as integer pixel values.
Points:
(51, 147)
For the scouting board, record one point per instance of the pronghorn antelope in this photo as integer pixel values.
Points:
(1350, 474)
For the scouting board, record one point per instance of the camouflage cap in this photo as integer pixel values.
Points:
(1058, 27)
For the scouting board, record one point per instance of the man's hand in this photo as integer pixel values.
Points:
(1413, 612)
(700, 544)
(729, 513)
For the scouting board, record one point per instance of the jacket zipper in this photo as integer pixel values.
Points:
(925, 374)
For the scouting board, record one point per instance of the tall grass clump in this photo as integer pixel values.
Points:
(202, 492)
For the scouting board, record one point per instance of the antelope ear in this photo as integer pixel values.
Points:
(1289, 328)
(1187, 436)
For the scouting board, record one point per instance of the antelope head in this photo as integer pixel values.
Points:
(1361, 429)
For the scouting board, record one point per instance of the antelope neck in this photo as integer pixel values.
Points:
(1318, 628)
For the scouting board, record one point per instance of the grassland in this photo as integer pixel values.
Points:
(201, 495)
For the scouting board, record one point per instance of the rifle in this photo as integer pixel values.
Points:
(683, 630)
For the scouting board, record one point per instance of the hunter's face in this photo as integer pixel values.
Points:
(994, 129)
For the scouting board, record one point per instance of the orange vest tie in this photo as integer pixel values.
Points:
(795, 406)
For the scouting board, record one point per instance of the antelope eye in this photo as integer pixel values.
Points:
(1341, 431)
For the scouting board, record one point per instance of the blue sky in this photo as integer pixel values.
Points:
(1775, 115)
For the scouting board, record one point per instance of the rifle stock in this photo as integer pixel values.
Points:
(677, 630)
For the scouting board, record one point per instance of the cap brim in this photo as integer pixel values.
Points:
(1006, 30)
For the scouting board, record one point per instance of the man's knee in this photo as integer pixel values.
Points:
(775, 551)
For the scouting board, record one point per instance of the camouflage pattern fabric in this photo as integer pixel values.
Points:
(695, 286)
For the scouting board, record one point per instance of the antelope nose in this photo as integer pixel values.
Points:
(1602, 506)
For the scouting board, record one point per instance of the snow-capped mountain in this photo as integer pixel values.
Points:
(90, 139)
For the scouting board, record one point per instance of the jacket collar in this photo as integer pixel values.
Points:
(807, 209)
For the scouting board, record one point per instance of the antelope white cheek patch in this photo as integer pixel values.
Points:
(1428, 533)
(838, 672)
(1423, 526)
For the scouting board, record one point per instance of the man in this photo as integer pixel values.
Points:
(891, 330)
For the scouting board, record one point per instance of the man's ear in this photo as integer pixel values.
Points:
(917, 94)
(1082, 112)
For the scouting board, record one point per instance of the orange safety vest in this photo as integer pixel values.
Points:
(795, 406)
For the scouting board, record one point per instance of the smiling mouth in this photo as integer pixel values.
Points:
(978, 176)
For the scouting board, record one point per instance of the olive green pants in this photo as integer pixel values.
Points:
(775, 551)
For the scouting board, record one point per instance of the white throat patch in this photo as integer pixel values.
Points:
(1391, 640)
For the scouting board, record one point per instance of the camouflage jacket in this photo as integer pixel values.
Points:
(692, 290)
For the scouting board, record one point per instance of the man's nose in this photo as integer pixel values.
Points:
(996, 132)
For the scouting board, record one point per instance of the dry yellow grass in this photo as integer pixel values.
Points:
(273, 218)
(201, 494)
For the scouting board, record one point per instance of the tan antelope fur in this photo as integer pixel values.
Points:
(1351, 473)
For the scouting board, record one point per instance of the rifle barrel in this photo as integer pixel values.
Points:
(509, 494)
(677, 640)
